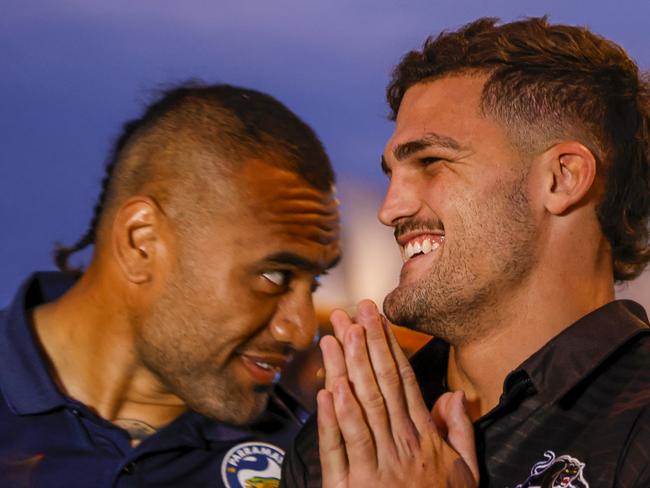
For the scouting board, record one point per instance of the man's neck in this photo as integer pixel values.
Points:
(515, 330)
(91, 348)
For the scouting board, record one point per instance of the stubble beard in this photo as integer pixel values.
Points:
(473, 274)
(164, 347)
(215, 394)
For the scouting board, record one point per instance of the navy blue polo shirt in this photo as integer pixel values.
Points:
(48, 439)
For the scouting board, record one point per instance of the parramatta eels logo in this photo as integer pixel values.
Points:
(252, 465)
(556, 472)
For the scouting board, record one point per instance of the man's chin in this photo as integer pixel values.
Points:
(395, 308)
(236, 410)
(401, 309)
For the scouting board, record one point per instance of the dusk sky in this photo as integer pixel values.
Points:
(72, 71)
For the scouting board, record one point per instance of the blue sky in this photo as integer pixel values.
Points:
(72, 71)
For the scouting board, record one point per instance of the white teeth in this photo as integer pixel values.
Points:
(409, 251)
(425, 247)
(263, 365)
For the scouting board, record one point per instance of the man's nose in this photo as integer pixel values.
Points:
(401, 200)
(295, 320)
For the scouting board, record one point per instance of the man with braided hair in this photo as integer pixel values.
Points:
(157, 365)
(519, 191)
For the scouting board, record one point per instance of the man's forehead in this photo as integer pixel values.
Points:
(432, 112)
(283, 189)
(285, 207)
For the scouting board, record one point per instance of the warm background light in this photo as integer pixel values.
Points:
(73, 71)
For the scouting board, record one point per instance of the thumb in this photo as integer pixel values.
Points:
(451, 418)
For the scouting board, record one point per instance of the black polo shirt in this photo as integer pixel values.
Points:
(574, 414)
(50, 440)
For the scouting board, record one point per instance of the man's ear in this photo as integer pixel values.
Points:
(570, 169)
(138, 238)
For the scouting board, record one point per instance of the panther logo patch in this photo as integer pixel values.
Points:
(252, 465)
(556, 472)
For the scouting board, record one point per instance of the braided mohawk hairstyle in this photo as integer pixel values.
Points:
(62, 253)
(130, 131)
(229, 123)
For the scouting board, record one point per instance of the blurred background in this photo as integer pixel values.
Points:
(72, 71)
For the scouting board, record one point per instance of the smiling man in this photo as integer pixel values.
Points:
(519, 192)
(157, 365)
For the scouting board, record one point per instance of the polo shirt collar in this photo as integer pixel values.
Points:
(558, 366)
(24, 377)
(194, 430)
(573, 354)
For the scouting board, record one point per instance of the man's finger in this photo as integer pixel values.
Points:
(449, 412)
(341, 322)
(359, 444)
(415, 403)
(333, 458)
(365, 387)
(333, 360)
(404, 434)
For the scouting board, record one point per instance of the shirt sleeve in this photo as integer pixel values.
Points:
(634, 464)
(301, 466)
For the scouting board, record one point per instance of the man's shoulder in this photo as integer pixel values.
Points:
(616, 392)
(626, 379)
(628, 367)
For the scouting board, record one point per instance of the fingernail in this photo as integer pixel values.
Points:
(367, 307)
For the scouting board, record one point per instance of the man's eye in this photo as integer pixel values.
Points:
(429, 160)
(277, 277)
(315, 284)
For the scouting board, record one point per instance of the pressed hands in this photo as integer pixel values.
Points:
(373, 425)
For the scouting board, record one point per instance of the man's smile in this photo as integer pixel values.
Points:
(265, 368)
(421, 242)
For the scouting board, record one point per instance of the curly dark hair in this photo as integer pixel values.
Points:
(550, 82)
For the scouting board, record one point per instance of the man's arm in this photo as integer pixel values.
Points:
(374, 427)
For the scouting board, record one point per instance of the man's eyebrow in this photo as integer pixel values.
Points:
(403, 151)
(300, 262)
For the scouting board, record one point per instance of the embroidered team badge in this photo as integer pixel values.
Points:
(252, 465)
(556, 472)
